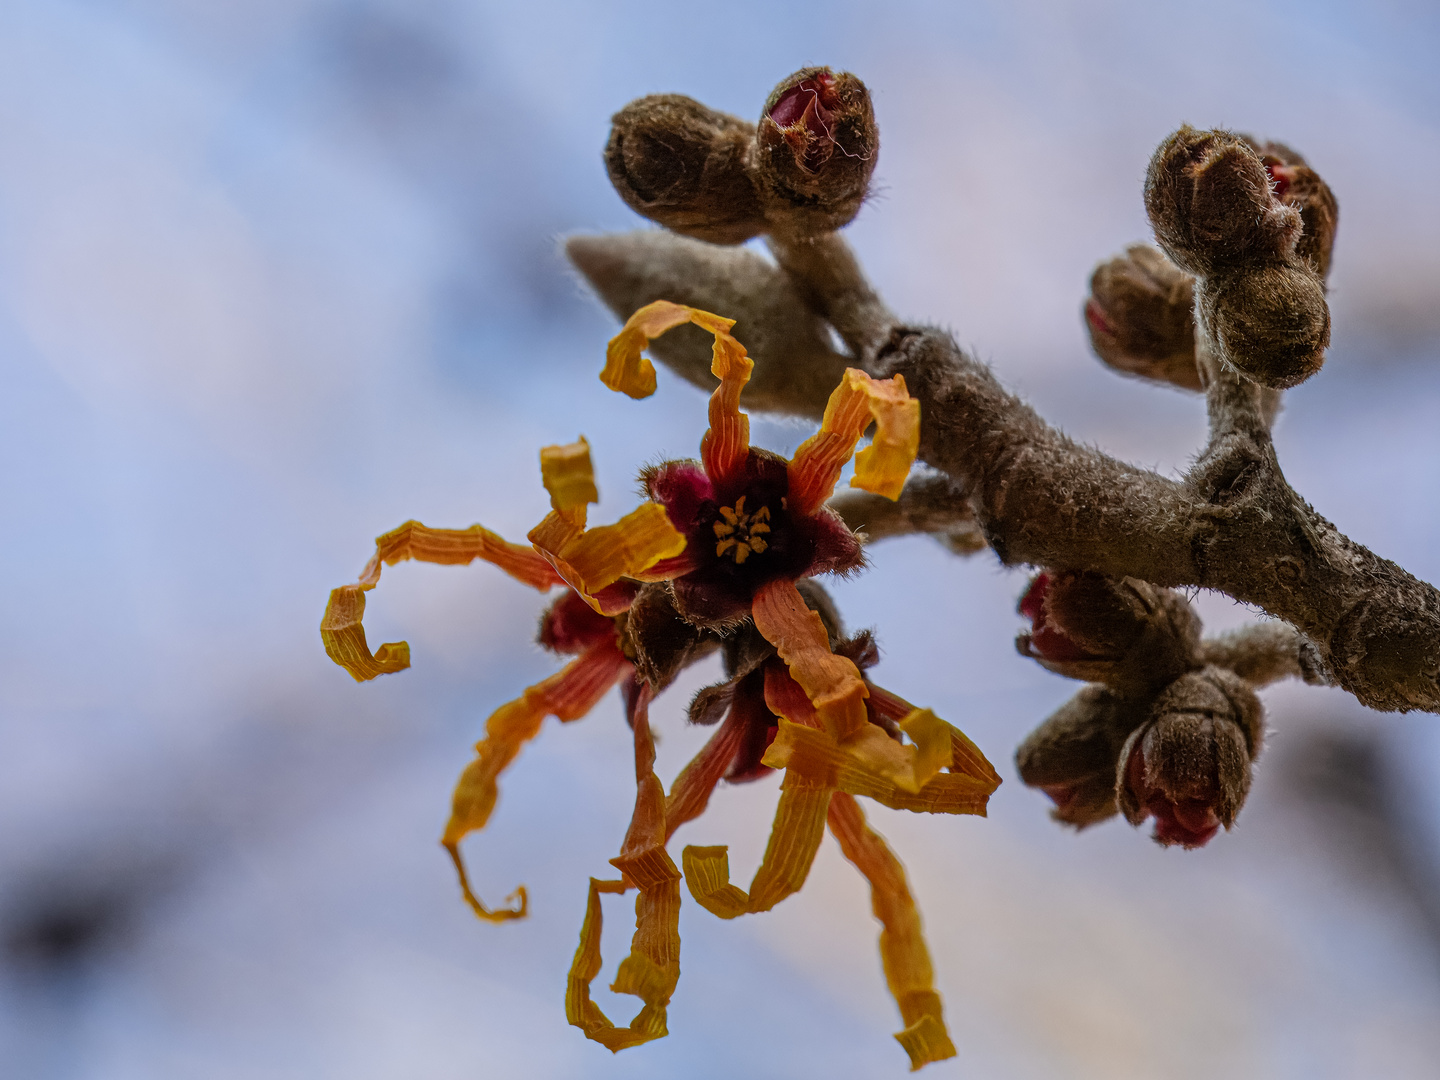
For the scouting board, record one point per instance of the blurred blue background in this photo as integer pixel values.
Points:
(278, 275)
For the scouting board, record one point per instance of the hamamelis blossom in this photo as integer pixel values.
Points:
(719, 556)
(755, 526)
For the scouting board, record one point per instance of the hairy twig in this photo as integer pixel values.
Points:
(1232, 523)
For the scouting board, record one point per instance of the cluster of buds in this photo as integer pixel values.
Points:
(1255, 225)
(804, 168)
(1169, 726)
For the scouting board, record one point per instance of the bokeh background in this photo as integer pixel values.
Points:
(278, 275)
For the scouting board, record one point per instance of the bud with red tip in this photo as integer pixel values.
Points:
(1260, 305)
(1127, 633)
(1189, 765)
(818, 144)
(1141, 317)
(1071, 756)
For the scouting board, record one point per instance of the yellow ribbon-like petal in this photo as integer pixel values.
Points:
(883, 466)
(903, 954)
(568, 694)
(815, 753)
(341, 628)
(343, 633)
(832, 683)
(652, 969)
(597, 558)
(569, 476)
(794, 839)
(725, 445)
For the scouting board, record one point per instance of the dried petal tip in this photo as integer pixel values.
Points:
(686, 167)
(818, 145)
(1189, 767)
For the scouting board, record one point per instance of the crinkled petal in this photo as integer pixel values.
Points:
(652, 969)
(341, 628)
(630, 373)
(343, 633)
(903, 954)
(458, 547)
(690, 793)
(883, 467)
(598, 558)
(625, 369)
(816, 754)
(568, 694)
(726, 445)
(832, 683)
(794, 839)
(965, 756)
(569, 476)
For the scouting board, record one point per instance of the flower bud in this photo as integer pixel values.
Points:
(818, 144)
(1071, 756)
(1296, 184)
(1126, 633)
(1260, 305)
(1141, 317)
(1271, 323)
(1209, 200)
(686, 167)
(1189, 766)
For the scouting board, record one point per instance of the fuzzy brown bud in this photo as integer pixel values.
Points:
(1296, 184)
(1260, 304)
(1189, 766)
(818, 144)
(1141, 317)
(687, 167)
(1127, 633)
(1071, 756)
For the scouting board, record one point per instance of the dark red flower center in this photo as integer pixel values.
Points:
(741, 535)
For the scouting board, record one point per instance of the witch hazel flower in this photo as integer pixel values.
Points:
(719, 556)
(757, 528)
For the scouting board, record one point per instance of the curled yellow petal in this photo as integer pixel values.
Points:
(568, 694)
(597, 558)
(625, 369)
(652, 969)
(569, 476)
(794, 839)
(903, 954)
(832, 683)
(341, 628)
(343, 633)
(724, 447)
(883, 467)
(458, 547)
(813, 753)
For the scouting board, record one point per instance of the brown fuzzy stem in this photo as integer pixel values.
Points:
(929, 504)
(1264, 653)
(1232, 524)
